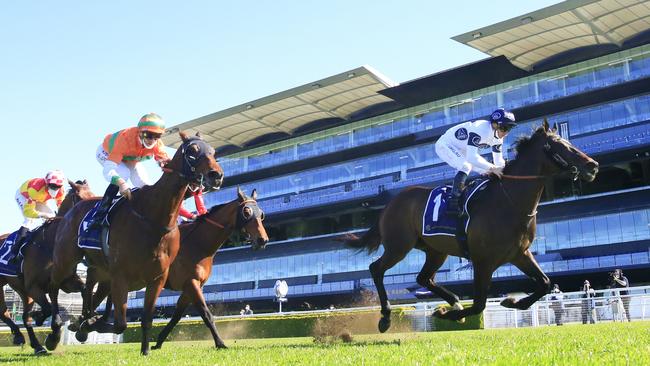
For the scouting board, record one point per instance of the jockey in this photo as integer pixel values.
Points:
(459, 146)
(120, 155)
(33, 197)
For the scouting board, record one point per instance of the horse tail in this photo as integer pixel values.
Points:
(370, 240)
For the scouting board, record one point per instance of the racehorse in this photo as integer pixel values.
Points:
(144, 238)
(501, 229)
(33, 283)
(200, 241)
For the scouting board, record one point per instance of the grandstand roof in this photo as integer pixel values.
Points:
(533, 37)
(335, 97)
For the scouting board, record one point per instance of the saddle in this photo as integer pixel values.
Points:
(97, 239)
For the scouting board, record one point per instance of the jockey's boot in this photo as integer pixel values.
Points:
(104, 205)
(18, 242)
(453, 209)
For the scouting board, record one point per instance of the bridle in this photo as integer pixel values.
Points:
(190, 162)
(565, 167)
(557, 159)
(242, 220)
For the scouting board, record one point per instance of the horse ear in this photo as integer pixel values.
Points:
(183, 136)
(254, 194)
(72, 184)
(554, 129)
(198, 134)
(545, 125)
(84, 181)
(240, 194)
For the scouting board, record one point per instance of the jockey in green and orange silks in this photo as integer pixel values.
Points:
(120, 155)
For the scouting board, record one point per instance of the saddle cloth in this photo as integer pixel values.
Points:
(6, 268)
(435, 220)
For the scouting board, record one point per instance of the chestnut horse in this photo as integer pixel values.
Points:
(144, 238)
(200, 241)
(501, 230)
(32, 285)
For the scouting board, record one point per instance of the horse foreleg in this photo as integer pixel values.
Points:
(482, 282)
(87, 308)
(38, 294)
(206, 315)
(527, 264)
(119, 294)
(183, 301)
(150, 296)
(52, 340)
(28, 304)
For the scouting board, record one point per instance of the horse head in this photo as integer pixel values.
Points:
(249, 219)
(79, 191)
(195, 162)
(563, 157)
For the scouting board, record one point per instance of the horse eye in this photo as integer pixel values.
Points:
(262, 215)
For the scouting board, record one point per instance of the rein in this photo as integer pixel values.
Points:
(220, 225)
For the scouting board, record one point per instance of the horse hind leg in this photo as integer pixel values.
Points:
(182, 304)
(434, 260)
(19, 339)
(378, 269)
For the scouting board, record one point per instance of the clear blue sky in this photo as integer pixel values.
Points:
(73, 71)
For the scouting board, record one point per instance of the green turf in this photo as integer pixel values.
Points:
(600, 344)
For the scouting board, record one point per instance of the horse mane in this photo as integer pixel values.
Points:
(524, 143)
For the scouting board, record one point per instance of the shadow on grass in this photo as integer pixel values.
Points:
(329, 344)
(21, 357)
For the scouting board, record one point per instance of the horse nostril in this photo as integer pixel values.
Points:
(214, 175)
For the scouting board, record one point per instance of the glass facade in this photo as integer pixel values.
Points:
(416, 165)
(588, 75)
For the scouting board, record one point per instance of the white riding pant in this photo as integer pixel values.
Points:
(32, 223)
(450, 155)
(132, 170)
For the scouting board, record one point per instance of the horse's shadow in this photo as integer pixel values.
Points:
(328, 344)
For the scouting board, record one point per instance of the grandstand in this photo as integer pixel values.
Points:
(326, 156)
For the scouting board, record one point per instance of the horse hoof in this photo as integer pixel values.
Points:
(156, 346)
(509, 302)
(440, 313)
(81, 336)
(73, 327)
(144, 352)
(458, 306)
(384, 324)
(40, 351)
(221, 346)
(19, 339)
(52, 341)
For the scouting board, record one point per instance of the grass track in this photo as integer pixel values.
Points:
(600, 344)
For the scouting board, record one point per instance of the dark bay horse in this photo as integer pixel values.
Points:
(144, 238)
(501, 230)
(200, 241)
(32, 285)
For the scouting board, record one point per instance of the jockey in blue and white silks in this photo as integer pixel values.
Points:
(459, 146)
